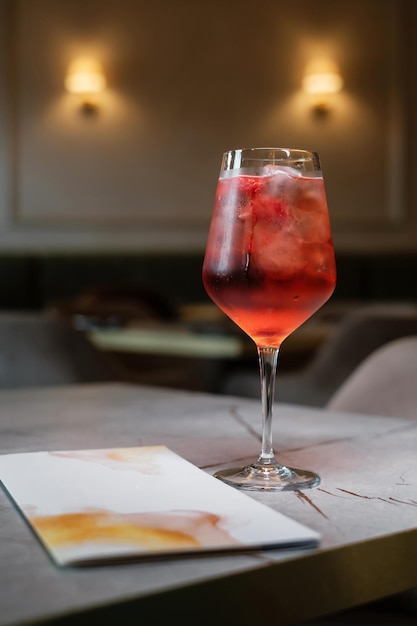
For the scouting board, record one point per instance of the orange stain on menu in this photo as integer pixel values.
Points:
(141, 460)
(148, 531)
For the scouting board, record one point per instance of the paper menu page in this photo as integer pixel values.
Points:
(89, 506)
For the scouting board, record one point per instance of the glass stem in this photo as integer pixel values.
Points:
(268, 360)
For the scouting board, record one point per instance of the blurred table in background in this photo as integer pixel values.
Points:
(195, 351)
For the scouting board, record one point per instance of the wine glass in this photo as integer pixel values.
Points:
(269, 265)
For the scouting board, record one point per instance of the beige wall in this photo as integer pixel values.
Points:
(188, 80)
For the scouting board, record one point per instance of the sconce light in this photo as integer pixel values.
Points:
(321, 80)
(85, 79)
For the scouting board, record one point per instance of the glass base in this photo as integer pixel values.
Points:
(268, 478)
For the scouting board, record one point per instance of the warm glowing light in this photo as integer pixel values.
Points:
(322, 79)
(85, 78)
(314, 84)
(85, 83)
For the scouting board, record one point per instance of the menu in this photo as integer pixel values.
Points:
(99, 506)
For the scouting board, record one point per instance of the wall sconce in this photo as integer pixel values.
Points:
(85, 79)
(321, 80)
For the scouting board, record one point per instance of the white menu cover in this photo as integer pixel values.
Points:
(96, 506)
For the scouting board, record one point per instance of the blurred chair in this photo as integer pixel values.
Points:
(383, 384)
(36, 350)
(358, 334)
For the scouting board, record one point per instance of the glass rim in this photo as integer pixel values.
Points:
(233, 159)
(288, 152)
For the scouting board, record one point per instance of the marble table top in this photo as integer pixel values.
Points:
(365, 509)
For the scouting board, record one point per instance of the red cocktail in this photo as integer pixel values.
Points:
(269, 262)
